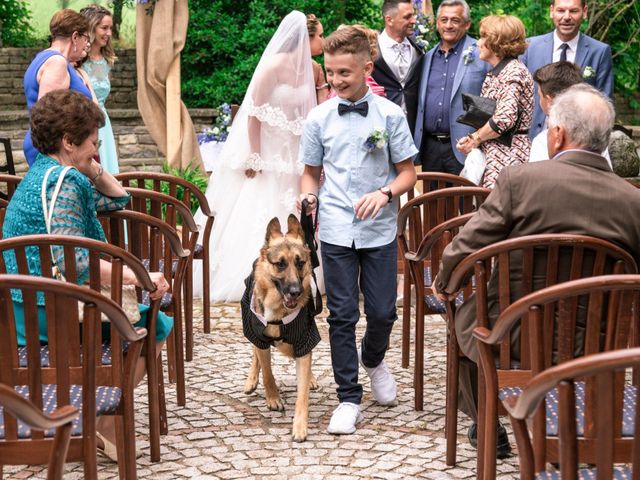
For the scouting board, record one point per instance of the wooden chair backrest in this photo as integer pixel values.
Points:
(74, 349)
(167, 208)
(539, 261)
(175, 187)
(8, 185)
(9, 168)
(425, 212)
(149, 238)
(432, 181)
(604, 378)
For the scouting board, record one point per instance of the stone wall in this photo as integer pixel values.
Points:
(136, 149)
(14, 62)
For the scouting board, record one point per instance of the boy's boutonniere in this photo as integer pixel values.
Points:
(468, 55)
(377, 140)
(589, 72)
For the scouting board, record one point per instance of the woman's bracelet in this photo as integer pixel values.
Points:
(475, 136)
(100, 172)
(324, 85)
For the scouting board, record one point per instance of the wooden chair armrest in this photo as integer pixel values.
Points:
(27, 412)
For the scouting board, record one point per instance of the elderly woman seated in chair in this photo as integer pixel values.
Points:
(64, 126)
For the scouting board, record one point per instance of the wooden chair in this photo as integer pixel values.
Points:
(540, 261)
(429, 182)
(420, 218)
(72, 370)
(119, 259)
(595, 418)
(27, 413)
(157, 244)
(8, 185)
(173, 212)
(183, 190)
(9, 168)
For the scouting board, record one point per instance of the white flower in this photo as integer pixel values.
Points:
(380, 143)
(423, 29)
(215, 131)
(468, 55)
(589, 72)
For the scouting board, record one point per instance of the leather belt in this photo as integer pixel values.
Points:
(440, 137)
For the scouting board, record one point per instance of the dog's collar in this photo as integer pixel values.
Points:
(286, 320)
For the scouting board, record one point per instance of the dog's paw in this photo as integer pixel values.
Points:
(299, 431)
(313, 383)
(250, 385)
(275, 403)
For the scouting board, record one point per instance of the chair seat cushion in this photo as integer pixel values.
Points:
(628, 408)
(167, 298)
(434, 304)
(107, 401)
(619, 473)
(44, 355)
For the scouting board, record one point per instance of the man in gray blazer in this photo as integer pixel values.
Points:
(399, 64)
(574, 192)
(567, 43)
(451, 68)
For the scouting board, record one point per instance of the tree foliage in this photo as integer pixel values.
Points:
(615, 22)
(15, 27)
(227, 37)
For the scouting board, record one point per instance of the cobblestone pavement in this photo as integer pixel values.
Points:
(224, 434)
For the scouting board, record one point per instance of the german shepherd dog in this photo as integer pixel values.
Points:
(281, 287)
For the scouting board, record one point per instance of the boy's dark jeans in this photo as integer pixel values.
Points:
(374, 269)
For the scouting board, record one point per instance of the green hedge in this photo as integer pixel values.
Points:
(15, 25)
(227, 37)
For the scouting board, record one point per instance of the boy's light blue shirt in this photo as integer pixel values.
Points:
(337, 143)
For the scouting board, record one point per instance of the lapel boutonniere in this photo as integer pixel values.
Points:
(377, 140)
(468, 54)
(589, 72)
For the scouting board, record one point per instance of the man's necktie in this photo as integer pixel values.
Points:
(361, 108)
(563, 52)
(402, 59)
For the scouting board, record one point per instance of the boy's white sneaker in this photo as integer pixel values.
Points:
(344, 419)
(383, 385)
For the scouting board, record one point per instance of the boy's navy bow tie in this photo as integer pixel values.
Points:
(361, 108)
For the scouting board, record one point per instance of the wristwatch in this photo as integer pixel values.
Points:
(387, 192)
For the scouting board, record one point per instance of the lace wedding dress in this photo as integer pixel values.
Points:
(264, 137)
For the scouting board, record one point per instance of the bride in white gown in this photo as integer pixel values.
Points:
(257, 175)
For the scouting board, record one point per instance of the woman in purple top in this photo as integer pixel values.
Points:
(52, 69)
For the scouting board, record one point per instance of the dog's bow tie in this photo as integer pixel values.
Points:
(361, 108)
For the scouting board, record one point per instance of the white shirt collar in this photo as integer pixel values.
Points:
(286, 320)
(573, 43)
(386, 41)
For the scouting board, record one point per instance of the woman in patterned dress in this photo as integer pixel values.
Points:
(502, 39)
(98, 67)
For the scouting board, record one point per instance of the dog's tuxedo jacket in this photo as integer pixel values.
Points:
(300, 331)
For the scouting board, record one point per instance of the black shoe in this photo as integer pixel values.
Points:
(503, 447)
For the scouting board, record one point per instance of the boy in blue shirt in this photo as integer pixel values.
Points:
(363, 143)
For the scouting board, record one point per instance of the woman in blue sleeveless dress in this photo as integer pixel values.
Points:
(52, 69)
(98, 67)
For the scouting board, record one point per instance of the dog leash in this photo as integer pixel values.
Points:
(309, 226)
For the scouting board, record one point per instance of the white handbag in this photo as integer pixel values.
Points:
(474, 166)
(129, 297)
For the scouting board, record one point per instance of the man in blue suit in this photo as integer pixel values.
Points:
(567, 43)
(451, 68)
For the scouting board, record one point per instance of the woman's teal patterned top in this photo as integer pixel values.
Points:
(74, 214)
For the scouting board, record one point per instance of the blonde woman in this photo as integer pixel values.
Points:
(98, 66)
